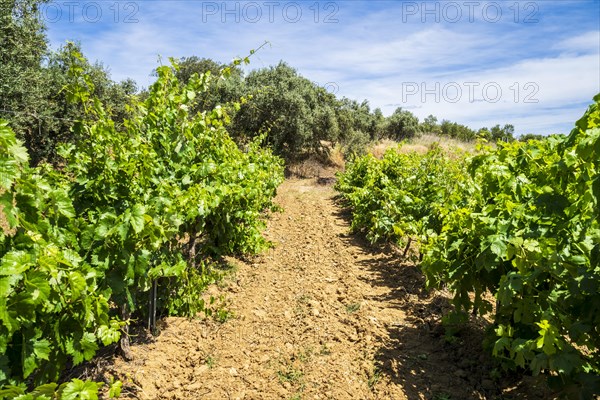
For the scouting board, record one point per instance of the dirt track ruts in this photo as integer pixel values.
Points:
(321, 315)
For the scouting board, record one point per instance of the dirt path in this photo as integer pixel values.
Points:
(319, 316)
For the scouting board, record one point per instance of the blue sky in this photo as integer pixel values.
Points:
(535, 64)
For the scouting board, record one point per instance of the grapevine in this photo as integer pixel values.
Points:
(520, 222)
(147, 205)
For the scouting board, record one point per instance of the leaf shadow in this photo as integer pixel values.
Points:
(415, 352)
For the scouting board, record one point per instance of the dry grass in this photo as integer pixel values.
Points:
(309, 168)
(3, 222)
(4, 226)
(422, 144)
(446, 143)
(323, 165)
(379, 148)
(336, 157)
(332, 158)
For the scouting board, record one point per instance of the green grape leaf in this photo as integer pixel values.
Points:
(12, 392)
(115, 390)
(498, 247)
(44, 391)
(80, 390)
(108, 334)
(565, 362)
(87, 346)
(15, 263)
(39, 287)
(63, 203)
(34, 350)
(137, 218)
(19, 153)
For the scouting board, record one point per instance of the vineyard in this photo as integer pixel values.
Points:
(512, 232)
(201, 228)
(130, 227)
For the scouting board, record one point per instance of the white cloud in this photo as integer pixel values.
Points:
(588, 42)
(371, 52)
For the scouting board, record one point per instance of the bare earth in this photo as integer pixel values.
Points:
(321, 315)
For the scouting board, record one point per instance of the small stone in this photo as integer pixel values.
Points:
(233, 371)
(201, 369)
(265, 358)
(194, 386)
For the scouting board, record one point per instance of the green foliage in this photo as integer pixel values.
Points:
(169, 175)
(402, 124)
(55, 122)
(531, 236)
(353, 115)
(219, 91)
(32, 81)
(531, 136)
(497, 133)
(149, 202)
(464, 133)
(22, 82)
(430, 125)
(457, 131)
(523, 224)
(358, 126)
(294, 112)
(403, 195)
(298, 117)
(52, 309)
(354, 144)
(75, 389)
